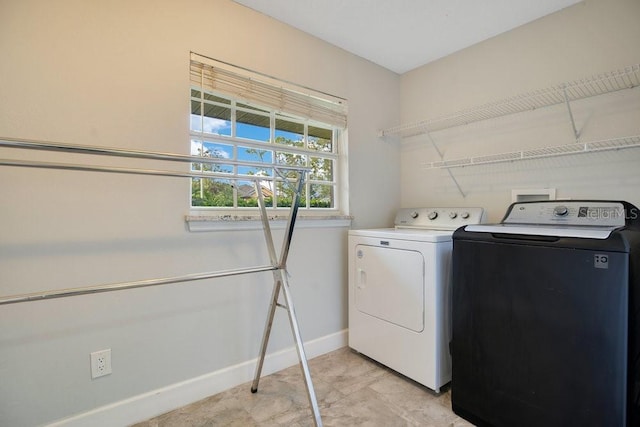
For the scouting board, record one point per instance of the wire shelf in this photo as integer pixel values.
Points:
(600, 84)
(537, 153)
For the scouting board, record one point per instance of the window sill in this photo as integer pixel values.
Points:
(199, 223)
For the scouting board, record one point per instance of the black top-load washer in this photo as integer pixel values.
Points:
(545, 321)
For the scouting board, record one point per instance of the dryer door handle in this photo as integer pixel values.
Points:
(362, 278)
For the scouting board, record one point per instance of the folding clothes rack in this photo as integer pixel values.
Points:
(278, 265)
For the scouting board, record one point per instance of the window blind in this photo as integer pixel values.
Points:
(253, 90)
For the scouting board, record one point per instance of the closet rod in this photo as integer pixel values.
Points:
(30, 144)
(62, 293)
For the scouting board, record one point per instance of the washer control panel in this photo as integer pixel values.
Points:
(438, 218)
(575, 213)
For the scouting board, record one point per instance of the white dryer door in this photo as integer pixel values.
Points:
(390, 285)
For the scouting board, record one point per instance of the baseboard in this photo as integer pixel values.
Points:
(156, 402)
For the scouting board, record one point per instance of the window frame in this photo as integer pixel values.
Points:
(199, 93)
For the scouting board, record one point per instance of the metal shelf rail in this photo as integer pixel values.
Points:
(538, 153)
(600, 84)
(278, 264)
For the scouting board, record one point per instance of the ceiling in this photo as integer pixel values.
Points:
(401, 35)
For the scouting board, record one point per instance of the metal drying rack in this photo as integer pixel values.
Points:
(278, 265)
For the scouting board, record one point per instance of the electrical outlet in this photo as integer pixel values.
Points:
(100, 363)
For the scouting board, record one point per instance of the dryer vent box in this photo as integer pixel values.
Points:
(533, 195)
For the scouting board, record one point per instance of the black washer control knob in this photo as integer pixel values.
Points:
(560, 211)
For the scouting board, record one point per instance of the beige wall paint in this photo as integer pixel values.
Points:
(589, 38)
(116, 73)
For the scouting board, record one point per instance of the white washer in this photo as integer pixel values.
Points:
(400, 295)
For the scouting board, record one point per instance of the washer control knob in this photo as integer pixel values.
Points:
(414, 214)
(453, 215)
(432, 215)
(464, 215)
(560, 211)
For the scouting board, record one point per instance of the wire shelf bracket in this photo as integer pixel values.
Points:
(453, 178)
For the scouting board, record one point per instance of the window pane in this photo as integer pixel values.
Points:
(217, 150)
(321, 196)
(290, 159)
(252, 126)
(292, 175)
(196, 147)
(214, 150)
(255, 155)
(247, 196)
(321, 133)
(195, 107)
(215, 119)
(321, 169)
(289, 133)
(285, 193)
(211, 192)
(320, 139)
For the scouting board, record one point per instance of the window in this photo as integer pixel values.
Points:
(243, 117)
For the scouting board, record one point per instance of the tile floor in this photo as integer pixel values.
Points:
(352, 390)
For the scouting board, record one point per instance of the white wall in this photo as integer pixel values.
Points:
(116, 73)
(589, 38)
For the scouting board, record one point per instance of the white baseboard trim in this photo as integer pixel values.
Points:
(148, 405)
